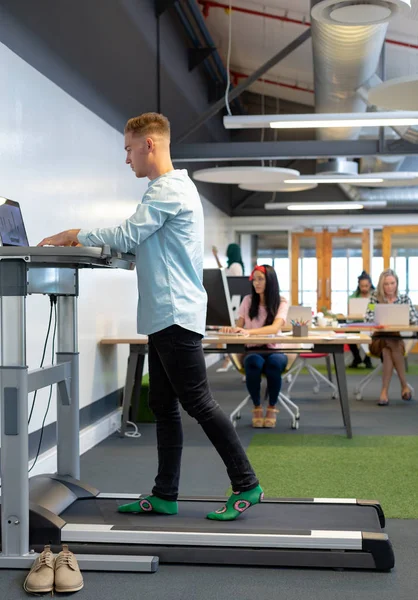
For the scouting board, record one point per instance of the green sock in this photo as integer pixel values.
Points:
(151, 504)
(237, 504)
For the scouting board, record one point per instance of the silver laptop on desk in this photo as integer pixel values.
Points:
(12, 227)
(357, 306)
(391, 314)
(299, 313)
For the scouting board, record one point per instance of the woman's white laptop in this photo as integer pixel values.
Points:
(357, 306)
(391, 314)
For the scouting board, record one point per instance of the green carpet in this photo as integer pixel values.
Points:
(383, 468)
(412, 369)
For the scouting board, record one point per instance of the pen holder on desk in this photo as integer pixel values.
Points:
(300, 330)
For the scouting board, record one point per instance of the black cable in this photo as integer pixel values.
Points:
(43, 354)
(54, 304)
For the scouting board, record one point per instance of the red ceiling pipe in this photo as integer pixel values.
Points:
(211, 4)
(237, 75)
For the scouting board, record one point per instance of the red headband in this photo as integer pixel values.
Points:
(257, 268)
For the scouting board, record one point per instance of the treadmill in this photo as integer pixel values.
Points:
(58, 508)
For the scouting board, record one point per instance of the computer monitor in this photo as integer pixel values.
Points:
(219, 311)
(238, 288)
(12, 228)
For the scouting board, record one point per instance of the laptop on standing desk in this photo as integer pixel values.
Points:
(12, 227)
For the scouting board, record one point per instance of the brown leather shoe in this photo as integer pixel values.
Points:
(40, 578)
(67, 572)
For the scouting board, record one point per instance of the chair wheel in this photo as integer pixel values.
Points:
(238, 416)
(297, 417)
(295, 425)
(334, 395)
(359, 396)
(316, 389)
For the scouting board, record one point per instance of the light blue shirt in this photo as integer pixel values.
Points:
(166, 234)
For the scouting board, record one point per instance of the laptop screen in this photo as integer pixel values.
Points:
(12, 228)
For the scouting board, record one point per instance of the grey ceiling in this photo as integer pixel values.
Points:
(103, 53)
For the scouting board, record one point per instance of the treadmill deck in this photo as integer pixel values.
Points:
(277, 532)
(265, 518)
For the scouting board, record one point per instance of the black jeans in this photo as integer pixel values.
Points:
(177, 373)
(355, 352)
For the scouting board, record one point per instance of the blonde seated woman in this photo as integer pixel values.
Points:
(263, 312)
(390, 350)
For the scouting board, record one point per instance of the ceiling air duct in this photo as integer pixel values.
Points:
(347, 40)
(337, 166)
(358, 12)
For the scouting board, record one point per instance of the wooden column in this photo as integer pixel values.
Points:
(386, 246)
(294, 283)
(326, 268)
(365, 250)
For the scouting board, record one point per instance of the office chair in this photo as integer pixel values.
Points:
(283, 400)
(303, 362)
(409, 344)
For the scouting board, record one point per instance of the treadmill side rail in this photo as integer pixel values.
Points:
(95, 533)
(116, 562)
(376, 505)
(379, 546)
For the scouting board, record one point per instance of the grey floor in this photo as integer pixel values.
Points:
(128, 465)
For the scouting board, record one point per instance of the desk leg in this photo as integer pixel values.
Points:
(136, 391)
(342, 389)
(128, 389)
(328, 362)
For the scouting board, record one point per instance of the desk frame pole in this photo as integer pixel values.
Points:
(68, 415)
(338, 354)
(14, 412)
(337, 350)
(133, 382)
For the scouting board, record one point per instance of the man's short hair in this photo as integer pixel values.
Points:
(149, 123)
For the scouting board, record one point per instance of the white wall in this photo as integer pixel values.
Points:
(66, 168)
(218, 233)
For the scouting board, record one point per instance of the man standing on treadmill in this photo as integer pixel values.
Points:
(166, 235)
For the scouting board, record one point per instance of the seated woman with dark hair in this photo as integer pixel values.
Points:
(263, 312)
(390, 349)
(365, 287)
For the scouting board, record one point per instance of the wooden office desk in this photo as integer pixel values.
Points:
(361, 327)
(327, 343)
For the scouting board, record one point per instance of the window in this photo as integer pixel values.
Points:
(308, 274)
(346, 266)
(265, 261)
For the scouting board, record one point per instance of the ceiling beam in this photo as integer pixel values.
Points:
(244, 200)
(234, 93)
(245, 151)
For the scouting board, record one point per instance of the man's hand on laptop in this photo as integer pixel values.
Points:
(236, 330)
(65, 238)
